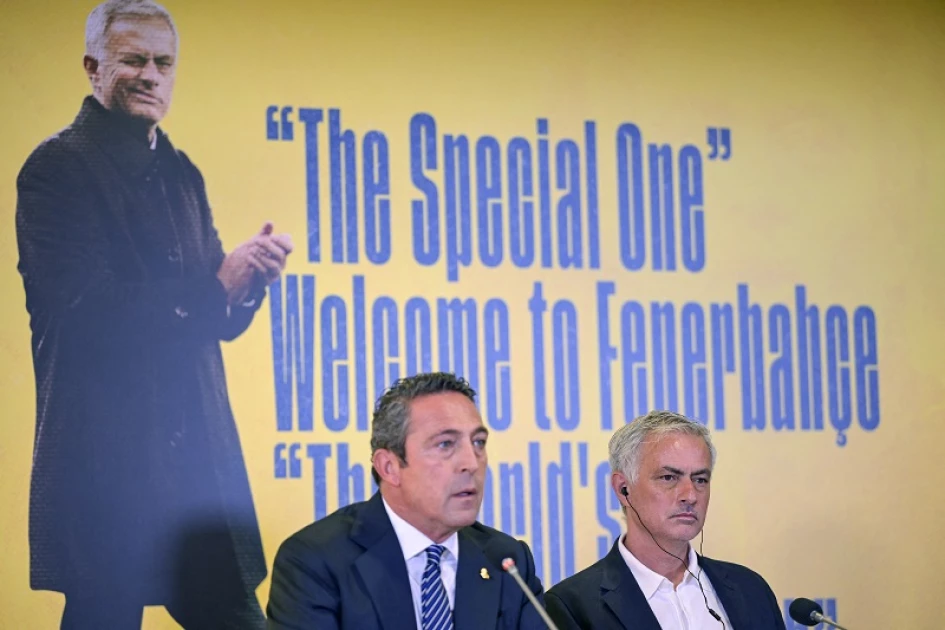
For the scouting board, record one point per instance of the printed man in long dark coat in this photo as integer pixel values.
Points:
(139, 492)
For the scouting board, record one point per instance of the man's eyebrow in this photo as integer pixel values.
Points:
(445, 433)
(455, 433)
(143, 55)
(676, 471)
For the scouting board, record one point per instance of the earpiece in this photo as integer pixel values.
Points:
(717, 616)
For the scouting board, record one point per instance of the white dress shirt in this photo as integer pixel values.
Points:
(414, 543)
(680, 608)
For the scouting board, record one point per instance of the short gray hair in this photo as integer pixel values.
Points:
(104, 15)
(392, 414)
(626, 445)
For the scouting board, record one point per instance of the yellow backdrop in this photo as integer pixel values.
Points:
(793, 153)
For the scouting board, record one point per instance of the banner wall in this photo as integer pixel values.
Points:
(590, 210)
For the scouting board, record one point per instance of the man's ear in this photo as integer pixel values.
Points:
(619, 481)
(91, 69)
(388, 466)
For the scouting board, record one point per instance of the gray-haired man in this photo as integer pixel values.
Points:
(661, 469)
(139, 492)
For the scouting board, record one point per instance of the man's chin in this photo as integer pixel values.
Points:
(149, 115)
(688, 530)
(466, 515)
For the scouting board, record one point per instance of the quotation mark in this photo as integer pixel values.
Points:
(720, 143)
(279, 128)
(287, 461)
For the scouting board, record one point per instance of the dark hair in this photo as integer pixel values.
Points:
(392, 412)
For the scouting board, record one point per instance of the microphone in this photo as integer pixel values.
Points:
(809, 613)
(509, 565)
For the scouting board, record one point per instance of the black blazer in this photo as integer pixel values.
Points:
(605, 595)
(348, 571)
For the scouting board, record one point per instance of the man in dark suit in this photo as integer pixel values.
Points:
(139, 493)
(413, 556)
(661, 467)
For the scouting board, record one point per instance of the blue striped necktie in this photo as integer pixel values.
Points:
(434, 605)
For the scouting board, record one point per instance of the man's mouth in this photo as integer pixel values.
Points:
(145, 96)
(462, 494)
(685, 516)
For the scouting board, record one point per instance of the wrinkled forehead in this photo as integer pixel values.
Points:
(141, 34)
(432, 413)
(676, 448)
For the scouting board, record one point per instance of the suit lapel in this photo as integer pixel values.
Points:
(477, 598)
(622, 595)
(382, 567)
(731, 598)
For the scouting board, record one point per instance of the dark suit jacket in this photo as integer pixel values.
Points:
(348, 571)
(605, 595)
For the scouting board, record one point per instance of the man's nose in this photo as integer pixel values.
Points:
(150, 73)
(468, 458)
(687, 491)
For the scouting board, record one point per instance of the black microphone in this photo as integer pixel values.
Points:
(509, 565)
(809, 613)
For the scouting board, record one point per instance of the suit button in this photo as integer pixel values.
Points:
(181, 313)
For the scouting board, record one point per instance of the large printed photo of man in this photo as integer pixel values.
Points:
(139, 492)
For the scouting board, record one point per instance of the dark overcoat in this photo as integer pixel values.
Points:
(138, 475)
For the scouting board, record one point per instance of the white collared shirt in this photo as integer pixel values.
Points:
(414, 543)
(680, 608)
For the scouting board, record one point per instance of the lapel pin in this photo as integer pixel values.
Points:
(483, 573)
